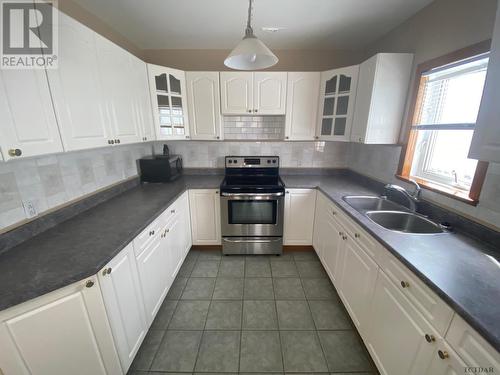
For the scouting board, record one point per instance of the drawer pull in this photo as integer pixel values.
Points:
(109, 270)
(405, 284)
(344, 238)
(357, 235)
(172, 211)
(430, 338)
(340, 234)
(89, 284)
(334, 213)
(15, 152)
(152, 233)
(443, 354)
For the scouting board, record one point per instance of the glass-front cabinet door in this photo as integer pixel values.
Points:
(336, 106)
(168, 97)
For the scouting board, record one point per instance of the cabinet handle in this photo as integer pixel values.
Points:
(429, 338)
(167, 230)
(217, 137)
(111, 142)
(340, 234)
(357, 235)
(334, 213)
(287, 192)
(344, 238)
(216, 191)
(360, 139)
(109, 270)
(151, 233)
(172, 211)
(249, 111)
(187, 136)
(15, 152)
(89, 284)
(316, 137)
(105, 272)
(255, 110)
(405, 284)
(287, 137)
(443, 354)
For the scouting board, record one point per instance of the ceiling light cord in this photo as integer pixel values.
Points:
(249, 29)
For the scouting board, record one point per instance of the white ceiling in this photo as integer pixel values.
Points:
(219, 24)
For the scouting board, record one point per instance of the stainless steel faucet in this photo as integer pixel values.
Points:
(412, 198)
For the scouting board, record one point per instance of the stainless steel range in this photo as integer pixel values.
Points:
(252, 203)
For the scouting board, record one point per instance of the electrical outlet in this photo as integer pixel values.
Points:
(30, 209)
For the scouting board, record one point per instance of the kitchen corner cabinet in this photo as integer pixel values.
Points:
(302, 96)
(204, 205)
(258, 93)
(142, 99)
(336, 103)
(120, 102)
(204, 105)
(27, 132)
(122, 296)
(486, 140)
(169, 102)
(77, 90)
(299, 216)
(381, 97)
(63, 332)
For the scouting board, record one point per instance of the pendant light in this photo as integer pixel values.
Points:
(250, 53)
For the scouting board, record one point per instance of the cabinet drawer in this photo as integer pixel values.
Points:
(437, 312)
(471, 347)
(143, 240)
(367, 242)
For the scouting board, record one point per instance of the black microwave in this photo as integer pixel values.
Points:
(159, 168)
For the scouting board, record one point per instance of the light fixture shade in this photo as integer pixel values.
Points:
(250, 54)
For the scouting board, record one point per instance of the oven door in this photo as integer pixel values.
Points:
(244, 214)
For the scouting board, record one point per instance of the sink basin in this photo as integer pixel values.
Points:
(363, 203)
(406, 222)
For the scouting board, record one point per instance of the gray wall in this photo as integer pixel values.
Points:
(442, 27)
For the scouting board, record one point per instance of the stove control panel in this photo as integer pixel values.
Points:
(252, 161)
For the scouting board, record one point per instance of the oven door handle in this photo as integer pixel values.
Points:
(280, 194)
(252, 240)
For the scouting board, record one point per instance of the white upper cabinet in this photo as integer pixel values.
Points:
(381, 97)
(76, 88)
(116, 76)
(169, 102)
(336, 103)
(124, 306)
(269, 93)
(244, 93)
(204, 105)
(486, 140)
(142, 99)
(302, 105)
(236, 91)
(27, 132)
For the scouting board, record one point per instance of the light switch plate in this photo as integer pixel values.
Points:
(30, 209)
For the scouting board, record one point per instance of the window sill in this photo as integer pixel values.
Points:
(459, 195)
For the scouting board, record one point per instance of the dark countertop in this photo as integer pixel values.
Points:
(81, 246)
(464, 272)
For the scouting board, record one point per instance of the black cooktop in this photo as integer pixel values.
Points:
(252, 184)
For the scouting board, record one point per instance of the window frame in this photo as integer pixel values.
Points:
(408, 150)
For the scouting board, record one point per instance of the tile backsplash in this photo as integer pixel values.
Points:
(208, 154)
(254, 127)
(49, 181)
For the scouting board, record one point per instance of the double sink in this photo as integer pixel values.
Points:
(391, 215)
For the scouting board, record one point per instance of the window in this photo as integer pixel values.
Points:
(447, 100)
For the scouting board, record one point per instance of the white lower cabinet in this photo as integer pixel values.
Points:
(151, 265)
(357, 276)
(123, 300)
(204, 207)
(333, 247)
(396, 340)
(445, 361)
(63, 332)
(299, 216)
